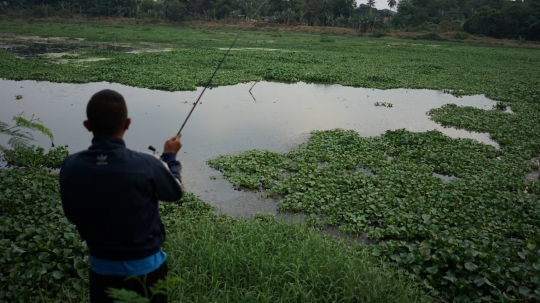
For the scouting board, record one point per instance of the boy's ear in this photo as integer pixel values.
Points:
(127, 124)
(87, 125)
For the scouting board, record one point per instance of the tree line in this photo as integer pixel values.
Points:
(493, 18)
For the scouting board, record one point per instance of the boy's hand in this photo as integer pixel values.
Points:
(173, 145)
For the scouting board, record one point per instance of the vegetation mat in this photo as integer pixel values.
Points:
(220, 259)
(475, 237)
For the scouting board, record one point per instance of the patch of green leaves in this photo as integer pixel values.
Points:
(39, 248)
(41, 253)
(483, 224)
(461, 69)
(161, 287)
(35, 157)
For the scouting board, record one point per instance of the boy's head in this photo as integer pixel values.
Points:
(107, 114)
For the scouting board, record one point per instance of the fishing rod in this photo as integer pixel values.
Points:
(209, 82)
(215, 71)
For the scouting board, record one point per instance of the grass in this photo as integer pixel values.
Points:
(264, 260)
(351, 61)
(220, 258)
(482, 226)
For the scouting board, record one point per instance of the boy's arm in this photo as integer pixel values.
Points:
(170, 190)
(168, 179)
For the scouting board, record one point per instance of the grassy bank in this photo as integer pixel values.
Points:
(499, 73)
(220, 258)
(263, 260)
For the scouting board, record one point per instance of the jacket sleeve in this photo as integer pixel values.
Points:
(167, 177)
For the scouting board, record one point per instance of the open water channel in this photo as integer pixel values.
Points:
(278, 117)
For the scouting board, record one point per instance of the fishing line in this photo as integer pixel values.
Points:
(215, 71)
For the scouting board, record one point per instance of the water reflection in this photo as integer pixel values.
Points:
(229, 121)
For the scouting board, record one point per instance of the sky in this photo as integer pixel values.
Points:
(379, 4)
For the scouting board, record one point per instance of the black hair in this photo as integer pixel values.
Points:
(107, 113)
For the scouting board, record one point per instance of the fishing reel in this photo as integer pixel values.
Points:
(153, 149)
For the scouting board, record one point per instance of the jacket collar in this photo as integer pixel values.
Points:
(106, 143)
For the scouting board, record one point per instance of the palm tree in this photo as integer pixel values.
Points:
(371, 3)
(301, 16)
(289, 13)
(392, 3)
(249, 9)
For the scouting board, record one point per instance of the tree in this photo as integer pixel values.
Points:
(342, 7)
(288, 14)
(392, 3)
(371, 3)
(176, 10)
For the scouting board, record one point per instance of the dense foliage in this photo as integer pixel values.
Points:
(494, 18)
(348, 61)
(39, 249)
(42, 258)
(35, 156)
(474, 237)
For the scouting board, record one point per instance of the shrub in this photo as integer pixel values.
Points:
(35, 157)
(430, 36)
(378, 34)
(41, 254)
(460, 36)
(327, 39)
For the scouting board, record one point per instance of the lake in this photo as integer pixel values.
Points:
(275, 116)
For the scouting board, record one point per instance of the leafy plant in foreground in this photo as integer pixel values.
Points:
(19, 133)
(160, 287)
(35, 157)
(39, 248)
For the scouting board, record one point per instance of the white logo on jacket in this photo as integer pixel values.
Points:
(101, 159)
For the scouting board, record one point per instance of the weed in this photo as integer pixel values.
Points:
(460, 36)
(378, 34)
(430, 36)
(327, 39)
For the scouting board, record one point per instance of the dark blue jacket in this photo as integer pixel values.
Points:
(111, 195)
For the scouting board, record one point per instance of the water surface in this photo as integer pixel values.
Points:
(278, 117)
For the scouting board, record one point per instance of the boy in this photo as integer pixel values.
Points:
(111, 195)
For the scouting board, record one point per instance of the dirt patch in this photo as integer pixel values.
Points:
(38, 39)
(157, 44)
(252, 48)
(46, 50)
(150, 50)
(66, 58)
(271, 27)
(469, 40)
(403, 44)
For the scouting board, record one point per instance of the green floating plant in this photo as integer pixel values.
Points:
(470, 238)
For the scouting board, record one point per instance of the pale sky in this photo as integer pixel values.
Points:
(379, 4)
